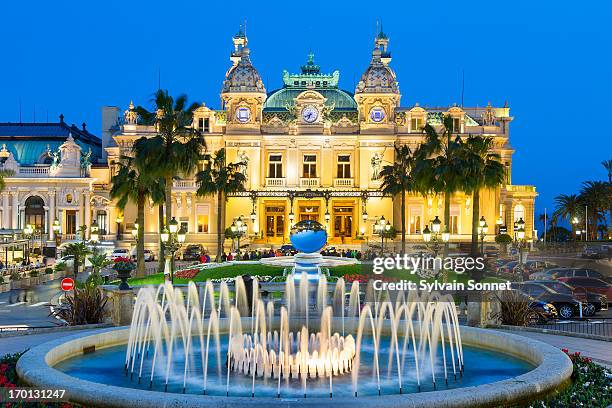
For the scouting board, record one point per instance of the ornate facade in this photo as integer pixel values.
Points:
(310, 151)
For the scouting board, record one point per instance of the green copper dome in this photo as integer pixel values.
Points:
(310, 78)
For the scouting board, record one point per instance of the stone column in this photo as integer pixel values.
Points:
(15, 210)
(51, 215)
(5, 210)
(87, 218)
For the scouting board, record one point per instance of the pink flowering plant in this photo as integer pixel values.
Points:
(591, 386)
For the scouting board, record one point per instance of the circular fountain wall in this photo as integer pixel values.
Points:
(307, 348)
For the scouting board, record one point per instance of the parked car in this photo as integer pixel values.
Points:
(578, 272)
(193, 252)
(592, 253)
(591, 285)
(536, 265)
(567, 306)
(507, 268)
(120, 253)
(593, 302)
(539, 311)
(148, 255)
(288, 250)
(546, 274)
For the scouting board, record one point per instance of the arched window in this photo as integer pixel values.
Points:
(519, 212)
(35, 212)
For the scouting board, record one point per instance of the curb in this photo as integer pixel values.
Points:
(43, 330)
(553, 332)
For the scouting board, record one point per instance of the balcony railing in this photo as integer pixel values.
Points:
(184, 184)
(309, 182)
(275, 182)
(34, 171)
(519, 188)
(343, 182)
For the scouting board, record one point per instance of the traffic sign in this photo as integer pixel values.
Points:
(67, 284)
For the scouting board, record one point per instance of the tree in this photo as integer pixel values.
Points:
(482, 168)
(134, 183)
(220, 178)
(568, 207)
(438, 167)
(3, 174)
(398, 179)
(79, 251)
(98, 261)
(178, 146)
(608, 166)
(597, 197)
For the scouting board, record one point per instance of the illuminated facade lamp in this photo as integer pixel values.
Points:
(435, 225)
(239, 222)
(253, 216)
(485, 228)
(482, 222)
(520, 234)
(362, 230)
(56, 226)
(165, 235)
(446, 236)
(119, 219)
(94, 232)
(173, 226)
(327, 216)
(521, 224)
(181, 235)
(234, 227)
(364, 216)
(388, 227)
(426, 234)
(499, 221)
(382, 221)
(291, 216)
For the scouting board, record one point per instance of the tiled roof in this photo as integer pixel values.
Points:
(59, 130)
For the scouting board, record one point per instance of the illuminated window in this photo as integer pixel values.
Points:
(310, 166)
(456, 125)
(416, 124)
(453, 226)
(275, 166)
(203, 223)
(344, 166)
(415, 220)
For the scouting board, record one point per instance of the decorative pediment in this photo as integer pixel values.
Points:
(344, 122)
(99, 201)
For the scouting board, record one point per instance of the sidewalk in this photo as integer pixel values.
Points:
(598, 351)
(21, 342)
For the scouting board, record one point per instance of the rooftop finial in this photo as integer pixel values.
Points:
(61, 118)
(310, 67)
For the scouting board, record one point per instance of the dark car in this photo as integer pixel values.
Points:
(593, 302)
(567, 306)
(591, 285)
(578, 273)
(193, 252)
(592, 253)
(535, 266)
(288, 250)
(539, 311)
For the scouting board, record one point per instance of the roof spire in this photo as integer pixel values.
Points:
(311, 68)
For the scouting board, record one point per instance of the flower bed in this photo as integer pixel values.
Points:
(187, 273)
(591, 386)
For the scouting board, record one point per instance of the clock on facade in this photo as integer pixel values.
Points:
(377, 114)
(310, 114)
(243, 114)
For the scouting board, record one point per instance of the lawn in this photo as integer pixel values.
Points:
(266, 270)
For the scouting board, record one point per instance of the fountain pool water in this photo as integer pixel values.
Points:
(304, 343)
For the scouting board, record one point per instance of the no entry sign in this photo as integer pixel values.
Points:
(67, 284)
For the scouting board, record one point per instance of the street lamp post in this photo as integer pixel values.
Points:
(173, 239)
(239, 229)
(57, 231)
(28, 231)
(520, 239)
(483, 228)
(119, 220)
(382, 227)
(432, 237)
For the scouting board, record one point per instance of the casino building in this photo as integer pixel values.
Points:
(311, 151)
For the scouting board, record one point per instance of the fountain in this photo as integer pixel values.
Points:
(308, 238)
(311, 342)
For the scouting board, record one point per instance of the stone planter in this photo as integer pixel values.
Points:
(5, 287)
(34, 280)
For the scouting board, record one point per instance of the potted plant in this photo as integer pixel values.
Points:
(16, 280)
(34, 278)
(49, 273)
(59, 269)
(503, 240)
(124, 267)
(4, 286)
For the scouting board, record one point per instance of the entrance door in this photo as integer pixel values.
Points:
(343, 222)
(275, 222)
(309, 212)
(70, 222)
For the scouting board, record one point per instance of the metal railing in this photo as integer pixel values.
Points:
(591, 326)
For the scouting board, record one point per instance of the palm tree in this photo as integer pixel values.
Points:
(608, 166)
(438, 167)
(133, 183)
(220, 178)
(596, 195)
(482, 168)
(79, 251)
(398, 179)
(568, 206)
(176, 149)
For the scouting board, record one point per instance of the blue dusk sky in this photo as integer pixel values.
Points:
(549, 59)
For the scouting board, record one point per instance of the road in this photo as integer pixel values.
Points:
(30, 307)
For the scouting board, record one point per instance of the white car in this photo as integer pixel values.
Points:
(148, 255)
(120, 253)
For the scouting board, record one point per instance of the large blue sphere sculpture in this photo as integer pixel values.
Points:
(308, 236)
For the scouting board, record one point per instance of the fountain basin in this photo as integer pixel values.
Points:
(552, 370)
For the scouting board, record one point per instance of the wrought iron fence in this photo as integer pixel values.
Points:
(591, 326)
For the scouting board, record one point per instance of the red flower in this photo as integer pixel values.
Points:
(565, 350)
(577, 354)
(3, 367)
(3, 380)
